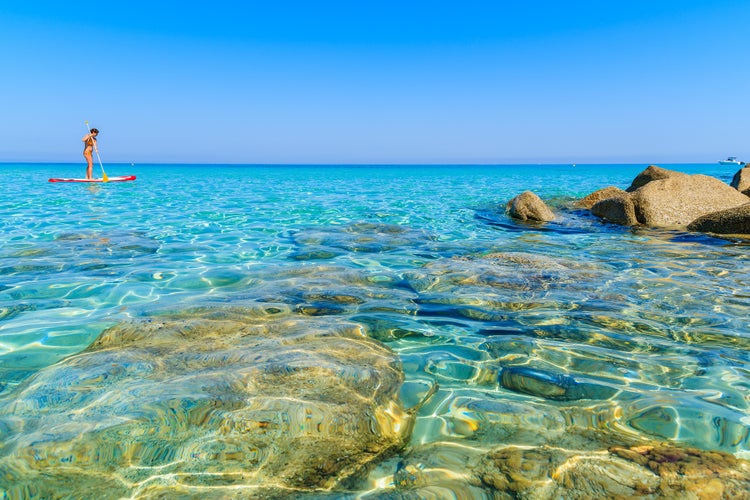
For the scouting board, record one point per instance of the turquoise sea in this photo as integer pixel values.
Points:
(507, 333)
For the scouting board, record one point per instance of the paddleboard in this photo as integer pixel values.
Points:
(110, 179)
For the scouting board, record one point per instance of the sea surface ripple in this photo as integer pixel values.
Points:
(526, 330)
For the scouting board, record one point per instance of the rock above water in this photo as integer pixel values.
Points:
(731, 221)
(741, 180)
(619, 209)
(664, 198)
(652, 173)
(599, 195)
(529, 207)
(235, 399)
(680, 199)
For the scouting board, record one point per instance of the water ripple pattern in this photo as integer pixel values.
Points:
(526, 332)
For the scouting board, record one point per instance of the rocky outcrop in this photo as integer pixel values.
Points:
(678, 200)
(664, 198)
(652, 173)
(242, 401)
(529, 207)
(619, 209)
(731, 221)
(599, 195)
(741, 180)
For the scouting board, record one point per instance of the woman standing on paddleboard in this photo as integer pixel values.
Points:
(89, 146)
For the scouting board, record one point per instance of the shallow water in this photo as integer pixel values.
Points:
(529, 330)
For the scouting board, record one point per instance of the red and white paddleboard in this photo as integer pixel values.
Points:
(109, 179)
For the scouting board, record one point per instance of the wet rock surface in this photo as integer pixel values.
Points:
(741, 180)
(528, 206)
(599, 195)
(619, 209)
(680, 199)
(662, 198)
(204, 402)
(652, 173)
(731, 221)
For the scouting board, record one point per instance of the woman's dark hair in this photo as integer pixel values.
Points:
(94, 130)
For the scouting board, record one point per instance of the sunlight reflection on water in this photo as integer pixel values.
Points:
(529, 332)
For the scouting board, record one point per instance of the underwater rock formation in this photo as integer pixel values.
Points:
(330, 241)
(319, 289)
(578, 466)
(489, 286)
(514, 271)
(236, 400)
(555, 386)
(647, 472)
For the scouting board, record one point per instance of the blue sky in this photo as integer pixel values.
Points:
(357, 81)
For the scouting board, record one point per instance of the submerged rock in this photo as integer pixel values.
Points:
(323, 289)
(246, 399)
(500, 270)
(488, 287)
(528, 206)
(436, 471)
(364, 237)
(555, 386)
(647, 472)
(501, 419)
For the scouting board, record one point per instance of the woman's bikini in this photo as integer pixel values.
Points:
(88, 145)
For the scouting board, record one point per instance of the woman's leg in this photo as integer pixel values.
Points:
(89, 166)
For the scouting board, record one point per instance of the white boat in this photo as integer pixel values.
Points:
(731, 160)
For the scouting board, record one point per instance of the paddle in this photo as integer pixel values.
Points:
(104, 174)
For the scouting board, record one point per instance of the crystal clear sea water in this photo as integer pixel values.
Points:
(525, 331)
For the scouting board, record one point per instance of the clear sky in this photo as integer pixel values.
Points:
(380, 81)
